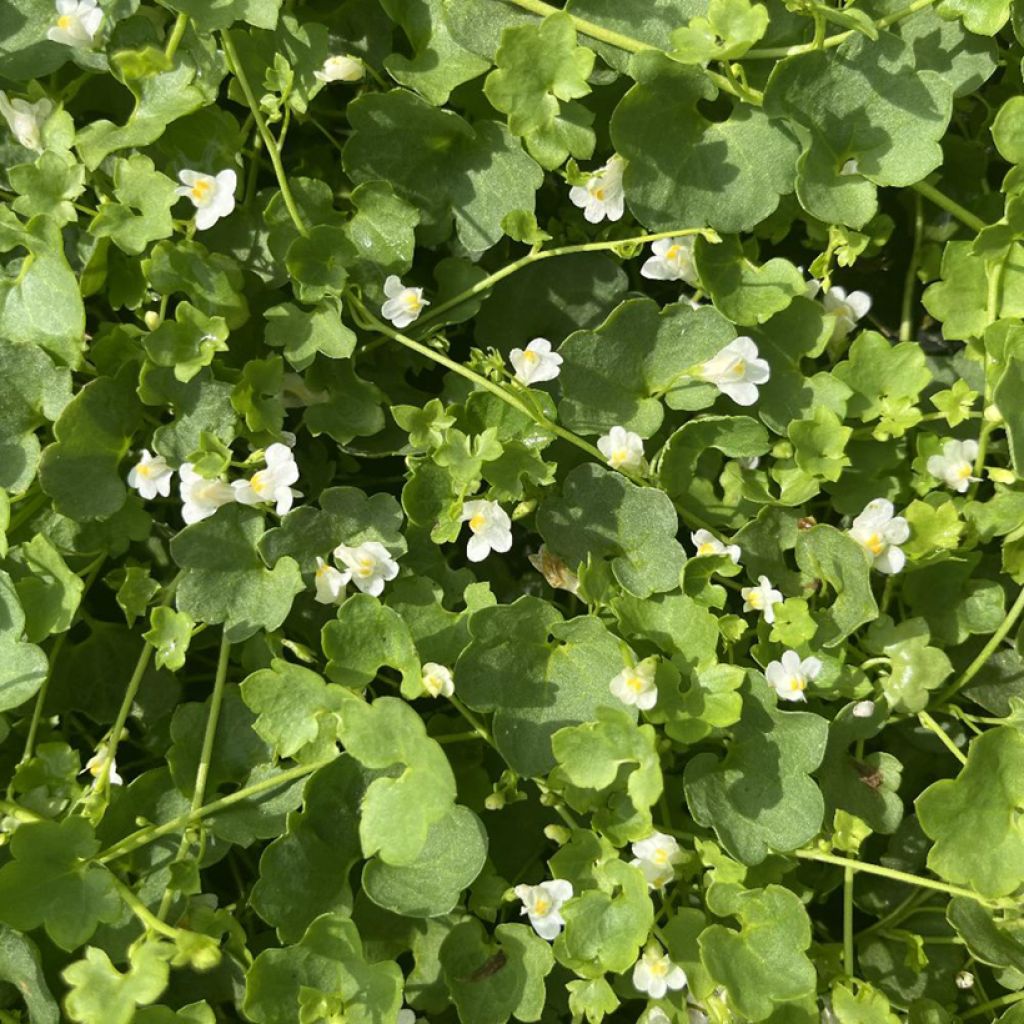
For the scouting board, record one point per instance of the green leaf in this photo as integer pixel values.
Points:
(20, 967)
(975, 826)
(450, 861)
(992, 941)
(142, 212)
(729, 30)
(819, 444)
(617, 374)
(763, 963)
(382, 229)
(212, 282)
(324, 974)
(686, 170)
(211, 15)
(1008, 385)
(840, 98)
(51, 881)
(825, 553)
(50, 592)
(439, 163)
(760, 798)
(224, 579)
(933, 528)
(1008, 126)
(188, 342)
(23, 666)
(868, 1006)
(170, 632)
(540, 68)
(493, 979)
(603, 517)
(917, 670)
(986, 17)
(101, 994)
(303, 333)
(537, 674)
(877, 370)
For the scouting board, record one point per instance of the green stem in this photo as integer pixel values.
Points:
(944, 202)
(848, 951)
(37, 710)
(479, 728)
(26, 511)
(457, 737)
(151, 833)
(19, 813)
(142, 912)
(929, 723)
(269, 142)
(993, 1004)
(904, 909)
(174, 39)
(205, 756)
(891, 873)
(986, 652)
(832, 41)
(910, 280)
(545, 254)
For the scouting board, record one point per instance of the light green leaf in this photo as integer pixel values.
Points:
(23, 666)
(101, 994)
(876, 370)
(729, 30)
(170, 632)
(142, 212)
(188, 342)
(819, 444)
(303, 333)
(49, 592)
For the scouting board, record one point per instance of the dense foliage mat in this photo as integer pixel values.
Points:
(510, 512)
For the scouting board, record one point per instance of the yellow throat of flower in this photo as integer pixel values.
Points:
(874, 543)
(541, 906)
(200, 190)
(636, 683)
(478, 522)
(65, 22)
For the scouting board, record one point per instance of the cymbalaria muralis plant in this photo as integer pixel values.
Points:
(511, 512)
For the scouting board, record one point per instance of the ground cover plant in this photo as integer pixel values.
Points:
(511, 512)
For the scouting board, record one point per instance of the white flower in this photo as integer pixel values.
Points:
(761, 598)
(790, 676)
(847, 309)
(955, 465)
(490, 526)
(94, 766)
(635, 686)
(737, 371)
(622, 448)
(706, 543)
(880, 533)
(655, 974)
(672, 261)
(26, 120)
(213, 196)
(602, 196)
(150, 476)
(863, 709)
(656, 857)
(370, 565)
(330, 583)
(535, 363)
(77, 23)
(438, 680)
(542, 904)
(341, 67)
(964, 980)
(851, 166)
(403, 304)
(272, 484)
(201, 497)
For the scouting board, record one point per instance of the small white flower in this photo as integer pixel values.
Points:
(602, 196)
(94, 766)
(761, 598)
(737, 371)
(622, 448)
(77, 23)
(656, 856)
(789, 676)
(150, 476)
(370, 565)
(635, 686)
(706, 543)
(955, 465)
(341, 67)
(201, 497)
(26, 120)
(213, 196)
(964, 980)
(847, 309)
(863, 709)
(403, 304)
(850, 167)
(272, 484)
(438, 680)
(330, 583)
(543, 903)
(655, 974)
(880, 533)
(535, 363)
(672, 261)
(490, 526)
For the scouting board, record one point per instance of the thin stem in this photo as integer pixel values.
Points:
(19, 813)
(929, 723)
(832, 41)
(205, 756)
(174, 39)
(151, 833)
(269, 142)
(479, 728)
(848, 951)
(944, 202)
(545, 254)
(457, 737)
(142, 912)
(993, 1004)
(910, 281)
(986, 652)
(904, 909)
(37, 710)
(891, 873)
